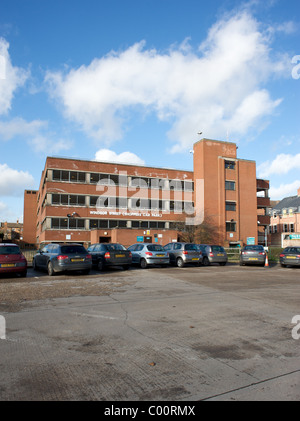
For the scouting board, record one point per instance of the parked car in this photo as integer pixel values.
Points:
(290, 256)
(62, 257)
(12, 260)
(183, 253)
(145, 254)
(213, 254)
(253, 254)
(110, 254)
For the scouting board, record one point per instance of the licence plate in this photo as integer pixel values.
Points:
(253, 258)
(219, 255)
(77, 260)
(160, 255)
(7, 265)
(290, 257)
(120, 255)
(195, 258)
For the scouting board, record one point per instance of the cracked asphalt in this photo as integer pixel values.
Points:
(160, 334)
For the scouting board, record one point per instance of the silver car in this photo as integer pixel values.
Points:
(183, 253)
(253, 254)
(145, 254)
(213, 254)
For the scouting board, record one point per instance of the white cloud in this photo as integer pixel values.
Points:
(37, 134)
(107, 155)
(11, 78)
(14, 182)
(282, 164)
(215, 89)
(284, 190)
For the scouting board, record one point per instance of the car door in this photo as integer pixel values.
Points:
(169, 248)
(135, 255)
(42, 257)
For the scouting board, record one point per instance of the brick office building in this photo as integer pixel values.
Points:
(88, 201)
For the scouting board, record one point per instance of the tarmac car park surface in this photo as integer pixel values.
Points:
(161, 334)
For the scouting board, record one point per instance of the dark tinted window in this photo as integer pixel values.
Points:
(190, 247)
(154, 247)
(217, 248)
(9, 250)
(112, 247)
(254, 248)
(73, 249)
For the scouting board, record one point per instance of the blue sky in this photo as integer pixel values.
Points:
(136, 80)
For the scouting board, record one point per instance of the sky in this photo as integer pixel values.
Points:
(135, 81)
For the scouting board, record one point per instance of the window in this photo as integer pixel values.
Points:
(229, 185)
(67, 223)
(285, 228)
(229, 165)
(292, 228)
(230, 226)
(71, 176)
(230, 206)
(68, 199)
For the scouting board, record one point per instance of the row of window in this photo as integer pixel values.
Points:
(74, 223)
(121, 180)
(121, 202)
(273, 229)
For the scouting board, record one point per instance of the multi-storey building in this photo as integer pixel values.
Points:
(285, 222)
(89, 201)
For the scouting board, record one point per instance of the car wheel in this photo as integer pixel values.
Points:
(205, 261)
(143, 263)
(100, 265)
(282, 265)
(24, 274)
(34, 264)
(50, 269)
(179, 262)
(241, 263)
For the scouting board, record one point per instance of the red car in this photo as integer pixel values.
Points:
(12, 260)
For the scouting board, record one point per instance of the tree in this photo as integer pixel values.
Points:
(205, 232)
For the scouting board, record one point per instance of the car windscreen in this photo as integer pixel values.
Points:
(254, 248)
(112, 247)
(9, 250)
(154, 247)
(73, 249)
(191, 247)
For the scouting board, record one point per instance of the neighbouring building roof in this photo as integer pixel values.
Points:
(292, 202)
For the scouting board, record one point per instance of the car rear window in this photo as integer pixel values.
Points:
(154, 247)
(73, 249)
(190, 247)
(217, 248)
(255, 248)
(112, 247)
(10, 250)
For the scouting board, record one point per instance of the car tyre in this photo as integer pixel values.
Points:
(50, 269)
(100, 265)
(205, 261)
(143, 264)
(179, 262)
(282, 265)
(24, 274)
